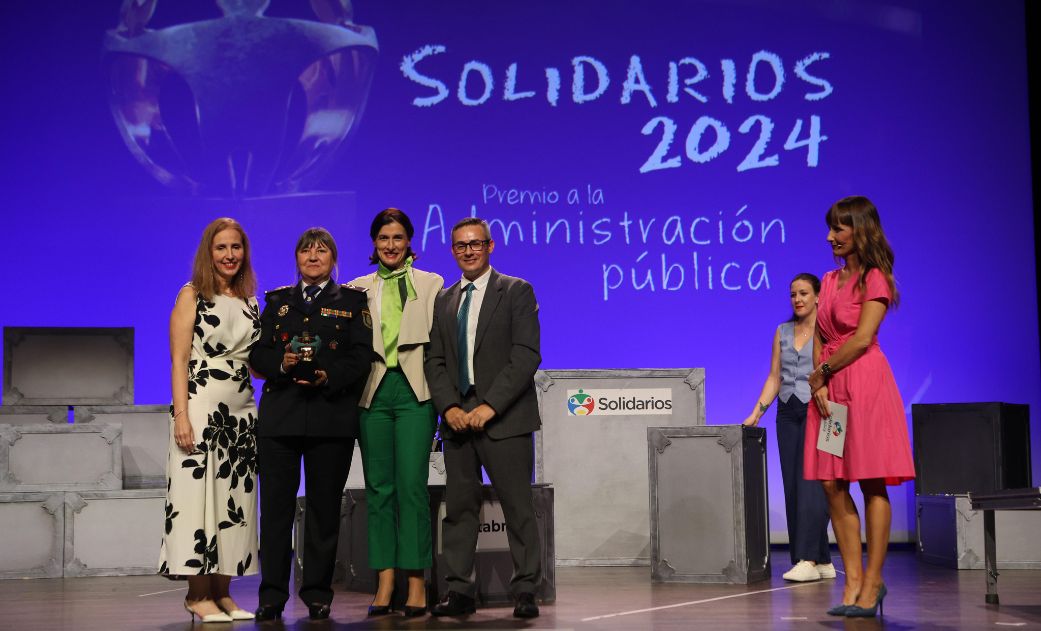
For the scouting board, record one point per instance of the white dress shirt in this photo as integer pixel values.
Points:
(476, 299)
(321, 286)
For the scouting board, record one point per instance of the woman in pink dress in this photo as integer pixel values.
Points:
(851, 370)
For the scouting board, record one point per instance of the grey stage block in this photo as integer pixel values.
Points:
(950, 533)
(113, 533)
(146, 440)
(708, 501)
(493, 563)
(33, 527)
(594, 454)
(25, 414)
(51, 457)
(356, 476)
(68, 366)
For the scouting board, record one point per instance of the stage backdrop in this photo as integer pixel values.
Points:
(658, 170)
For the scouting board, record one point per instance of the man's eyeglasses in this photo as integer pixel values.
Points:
(476, 245)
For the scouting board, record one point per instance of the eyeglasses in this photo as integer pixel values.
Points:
(476, 245)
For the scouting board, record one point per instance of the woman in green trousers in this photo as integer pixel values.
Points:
(397, 416)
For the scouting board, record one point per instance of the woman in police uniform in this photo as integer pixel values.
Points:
(308, 411)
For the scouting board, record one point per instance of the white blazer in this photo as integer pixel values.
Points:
(413, 336)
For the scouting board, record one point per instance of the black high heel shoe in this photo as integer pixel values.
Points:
(838, 610)
(853, 611)
(381, 610)
(413, 612)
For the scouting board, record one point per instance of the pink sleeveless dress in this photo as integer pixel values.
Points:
(877, 443)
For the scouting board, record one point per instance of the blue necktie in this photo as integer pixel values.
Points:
(462, 324)
(310, 292)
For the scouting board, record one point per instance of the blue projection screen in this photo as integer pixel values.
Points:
(658, 170)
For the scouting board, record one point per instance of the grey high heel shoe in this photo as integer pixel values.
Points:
(853, 611)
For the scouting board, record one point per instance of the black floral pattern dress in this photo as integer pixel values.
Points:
(211, 500)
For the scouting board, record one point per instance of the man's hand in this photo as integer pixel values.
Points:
(479, 416)
(456, 418)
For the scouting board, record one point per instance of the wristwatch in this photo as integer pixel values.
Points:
(826, 370)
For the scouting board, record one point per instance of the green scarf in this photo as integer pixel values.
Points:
(397, 289)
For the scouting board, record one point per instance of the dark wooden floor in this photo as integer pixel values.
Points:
(920, 597)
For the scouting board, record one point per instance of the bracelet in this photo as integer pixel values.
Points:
(826, 370)
(763, 408)
(176, 414)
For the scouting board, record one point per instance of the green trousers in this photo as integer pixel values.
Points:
(396, 432)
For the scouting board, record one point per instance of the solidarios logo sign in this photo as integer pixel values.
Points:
(619, 402)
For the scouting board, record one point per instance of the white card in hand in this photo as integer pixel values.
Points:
(832, 435)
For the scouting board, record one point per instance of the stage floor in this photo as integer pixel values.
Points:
(920, 597)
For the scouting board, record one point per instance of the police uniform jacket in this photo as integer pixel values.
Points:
(338, 315)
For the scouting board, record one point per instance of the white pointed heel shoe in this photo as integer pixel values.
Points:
(213, 617)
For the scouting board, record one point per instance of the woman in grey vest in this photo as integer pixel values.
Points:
(805, 505)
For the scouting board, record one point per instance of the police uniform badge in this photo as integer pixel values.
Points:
(366, 318)
(283, 310)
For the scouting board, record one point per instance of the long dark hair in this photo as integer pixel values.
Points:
(869, 241)
(814, 282)
(384, 217)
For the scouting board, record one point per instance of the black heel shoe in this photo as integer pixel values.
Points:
(267, 612)
(854, 611)
(838, 610)
(413, 612)
(381, 610)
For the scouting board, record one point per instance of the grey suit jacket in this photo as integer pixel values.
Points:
(506, 355)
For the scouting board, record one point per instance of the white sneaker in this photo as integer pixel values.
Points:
(826, 570)
(803, 572)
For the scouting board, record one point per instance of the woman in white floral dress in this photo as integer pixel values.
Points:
(211, 505)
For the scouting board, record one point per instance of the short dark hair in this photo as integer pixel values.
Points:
(387, 216)
(314, 236)
(473, 221)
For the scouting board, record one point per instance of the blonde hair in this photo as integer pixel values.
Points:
(204, 274)
(869, 242)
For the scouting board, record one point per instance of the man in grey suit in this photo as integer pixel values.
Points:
(484, 351)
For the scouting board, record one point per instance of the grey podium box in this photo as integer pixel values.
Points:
(950, 533)
(25, 414)
(113, 533)
(33, 541)
(45, 457)
(146, 439)
(595, 456)
(68, 366)
(493, 564)
(709, 508)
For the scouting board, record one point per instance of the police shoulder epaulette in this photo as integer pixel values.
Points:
(354, 287)
(271, 291)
